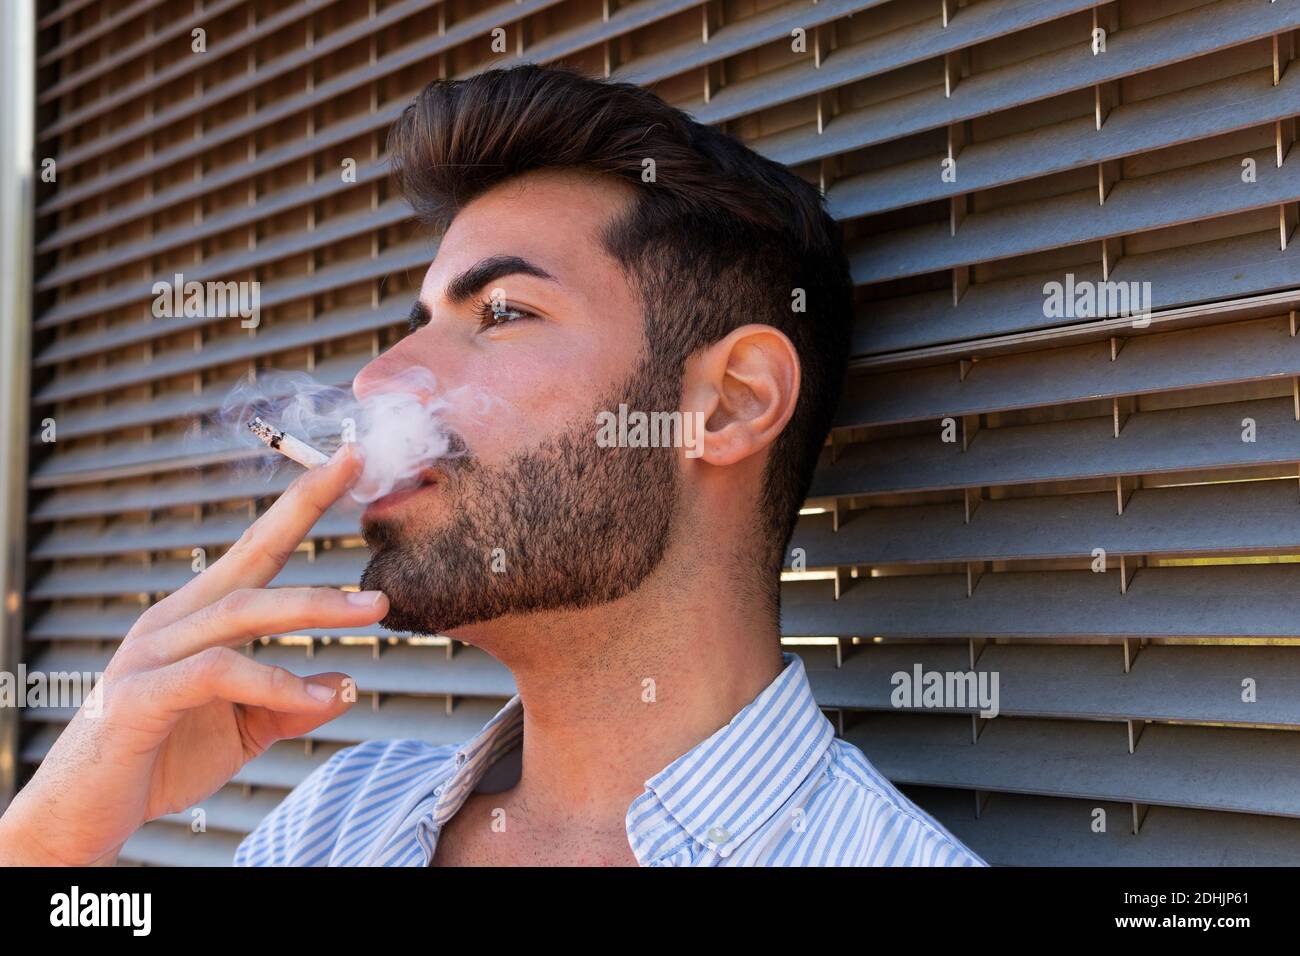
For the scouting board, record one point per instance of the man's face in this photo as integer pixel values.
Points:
(523, 302)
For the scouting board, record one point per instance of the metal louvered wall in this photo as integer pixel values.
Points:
(1165, 157)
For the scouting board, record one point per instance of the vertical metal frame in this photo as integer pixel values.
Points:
(17, 214)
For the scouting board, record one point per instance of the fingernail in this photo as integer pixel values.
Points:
(364, 598)
(321, 691)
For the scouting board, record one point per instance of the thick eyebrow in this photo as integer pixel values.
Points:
(419, 316)
(472, 280)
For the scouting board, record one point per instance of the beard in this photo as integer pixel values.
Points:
(567, 525)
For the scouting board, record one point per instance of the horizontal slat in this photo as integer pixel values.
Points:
(228, 810)
(284, 764)
(236, 262)
(1200, 684)
(1216, 355)
(397, 258)
(173, 493)
(175, 534)
(397, 718)
(1163, 440)
(61, 12)
(271, 337)
(1015, 830)
(166, 408)
(68, 622)
(1256, 600)
(329, 568)
(1252, 517)
(1206, 768)
(165, 844)
(1247, 308)
(129, 459)
(1220, 269)
(404, 668)
(1212, 109)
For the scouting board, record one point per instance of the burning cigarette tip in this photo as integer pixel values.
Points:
(292, 448)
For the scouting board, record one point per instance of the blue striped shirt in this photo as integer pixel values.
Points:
(774, 787)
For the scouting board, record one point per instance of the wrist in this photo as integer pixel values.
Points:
(20, 845)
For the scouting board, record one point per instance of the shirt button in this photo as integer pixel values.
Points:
(719, 834)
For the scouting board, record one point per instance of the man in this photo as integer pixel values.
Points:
(602, 254)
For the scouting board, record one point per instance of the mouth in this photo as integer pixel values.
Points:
(428, 481)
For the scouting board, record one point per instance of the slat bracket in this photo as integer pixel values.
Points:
(1125, 485)
(1135, 729)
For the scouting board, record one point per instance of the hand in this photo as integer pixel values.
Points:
(182, 710)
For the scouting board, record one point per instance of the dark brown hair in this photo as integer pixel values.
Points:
(719, 237)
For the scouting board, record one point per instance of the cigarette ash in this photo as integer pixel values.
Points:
(265, 433)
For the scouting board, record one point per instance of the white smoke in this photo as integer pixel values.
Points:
(400, 427)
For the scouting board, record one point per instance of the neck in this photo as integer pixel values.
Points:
(613, 694)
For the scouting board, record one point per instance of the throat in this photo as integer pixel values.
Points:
(489, 830)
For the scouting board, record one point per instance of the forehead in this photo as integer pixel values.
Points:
(553, 218)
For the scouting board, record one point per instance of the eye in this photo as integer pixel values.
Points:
(493, 314)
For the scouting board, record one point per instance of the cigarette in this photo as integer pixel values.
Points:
(286, 444)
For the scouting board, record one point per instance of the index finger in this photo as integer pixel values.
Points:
(263, 549)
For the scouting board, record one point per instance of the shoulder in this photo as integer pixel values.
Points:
(307, 824)
(890, 830)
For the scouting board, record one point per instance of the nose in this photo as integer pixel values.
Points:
(388, 371)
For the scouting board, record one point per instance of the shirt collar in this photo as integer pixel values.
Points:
(474, 759)
(717, 793)
(724, 788)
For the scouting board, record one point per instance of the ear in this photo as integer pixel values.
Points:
(747, 386)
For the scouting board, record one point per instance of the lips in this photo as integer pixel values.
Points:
(428, 479)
